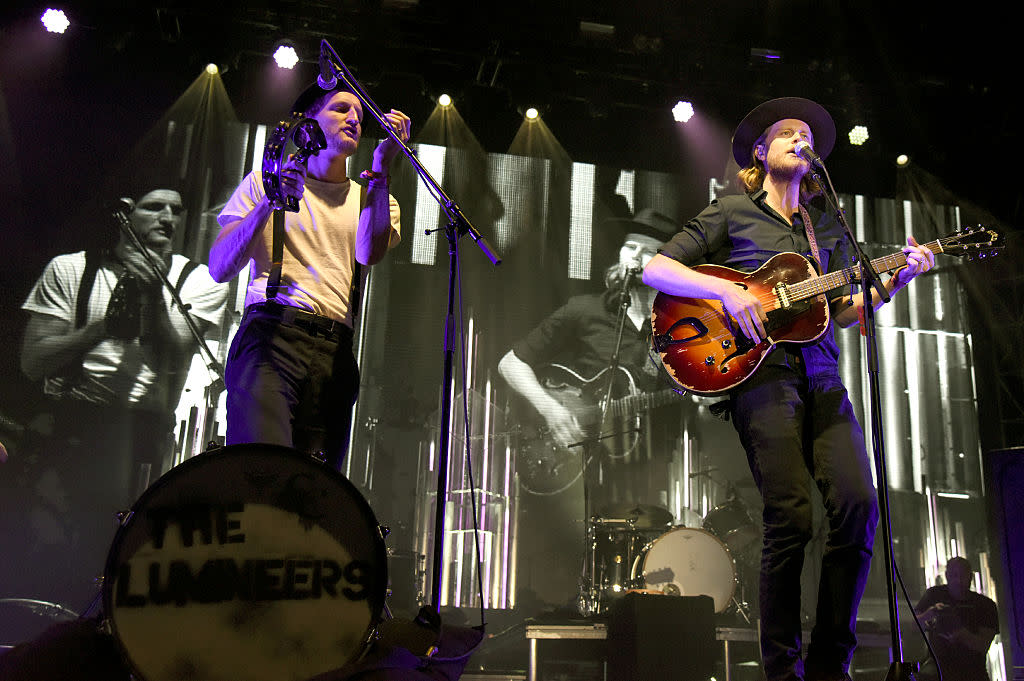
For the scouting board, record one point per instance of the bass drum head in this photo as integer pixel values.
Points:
(246, 563)
(689, 562)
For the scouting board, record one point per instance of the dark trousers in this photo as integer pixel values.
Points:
(292, 381)
(795, 429)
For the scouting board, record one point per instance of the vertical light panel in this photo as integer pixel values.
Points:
(625, 187)
(911, 350)
(858, 216)
(523, 185)
(258, 144)
(428, 212)
(910, 291)
(581, 220)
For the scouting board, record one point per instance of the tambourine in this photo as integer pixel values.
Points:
(309, 139)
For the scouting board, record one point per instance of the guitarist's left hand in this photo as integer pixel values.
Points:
(919, 261)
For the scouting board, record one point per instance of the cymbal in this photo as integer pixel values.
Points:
(643, 516)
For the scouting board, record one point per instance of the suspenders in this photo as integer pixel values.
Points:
(93, 259)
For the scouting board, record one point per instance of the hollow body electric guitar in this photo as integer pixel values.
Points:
(544, 465)
(705, 353)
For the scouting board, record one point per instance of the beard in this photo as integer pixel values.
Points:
(341, 143)
(787, 168)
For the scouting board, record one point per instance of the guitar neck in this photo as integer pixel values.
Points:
(817, 286)
(634, 404)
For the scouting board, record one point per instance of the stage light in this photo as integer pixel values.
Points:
(858, 135)
(444, 100)
(212, 69)
(286, 57)
(902, 160)
(682, 111)
(532, 114)
(55, 20)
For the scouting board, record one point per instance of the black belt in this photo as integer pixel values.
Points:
(314, 324)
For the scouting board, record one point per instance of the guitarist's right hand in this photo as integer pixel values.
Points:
(565, 429)
(745, 310)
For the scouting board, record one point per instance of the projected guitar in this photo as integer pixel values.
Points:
(703, 351)
(546, 466)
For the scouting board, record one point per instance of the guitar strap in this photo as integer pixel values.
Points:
(276, 254)
(809, 228)
(277, 259)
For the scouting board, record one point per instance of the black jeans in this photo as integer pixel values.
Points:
(290, 382)
(795, 429)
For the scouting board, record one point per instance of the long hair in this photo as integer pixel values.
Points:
(752, 177)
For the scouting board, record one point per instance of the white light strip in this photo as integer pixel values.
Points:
(428, 211)
(626, 187)
(581, 220)
(911, 291)
(257, 148)
(912, 351)
(858, 216)
(931, 563)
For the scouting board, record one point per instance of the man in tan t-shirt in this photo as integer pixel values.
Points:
(290, 374)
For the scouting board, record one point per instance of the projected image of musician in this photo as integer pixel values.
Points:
(593, 346)
(792, 414)
(112, 352)
(290, 375)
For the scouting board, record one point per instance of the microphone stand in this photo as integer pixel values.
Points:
(458, 225)
(899, 670)
(589, 600)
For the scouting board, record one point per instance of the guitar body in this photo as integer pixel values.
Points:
(701, 348)
(704, 353)
(545, 466)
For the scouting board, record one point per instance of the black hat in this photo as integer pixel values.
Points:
(648, 222)
(757, 121)
(310, 95)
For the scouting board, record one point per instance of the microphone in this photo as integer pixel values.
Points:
(804, 151)
(122, 205)
(326, 80)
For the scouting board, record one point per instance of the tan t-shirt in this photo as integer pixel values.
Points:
(319, 245)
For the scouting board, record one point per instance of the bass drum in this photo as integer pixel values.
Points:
(246, 563)
(688, 562)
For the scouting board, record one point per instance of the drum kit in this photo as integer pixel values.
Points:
(636, 548)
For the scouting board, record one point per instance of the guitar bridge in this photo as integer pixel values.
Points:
(782, 293)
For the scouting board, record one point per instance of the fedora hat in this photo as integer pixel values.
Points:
(763, 115)
(649, 223)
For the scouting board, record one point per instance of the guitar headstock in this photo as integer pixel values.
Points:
(974, 242)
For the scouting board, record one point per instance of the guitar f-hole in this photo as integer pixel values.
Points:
(663, 341)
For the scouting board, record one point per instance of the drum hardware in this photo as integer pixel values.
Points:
(639, 516)
(731, 523)
(613, 547)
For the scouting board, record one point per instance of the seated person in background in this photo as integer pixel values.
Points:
(961, 625)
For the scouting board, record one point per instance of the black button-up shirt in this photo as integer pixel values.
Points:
(743, 232)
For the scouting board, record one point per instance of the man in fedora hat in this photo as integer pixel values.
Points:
(291, 377)
(587, 325)
(793, 415)
(563, 367)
